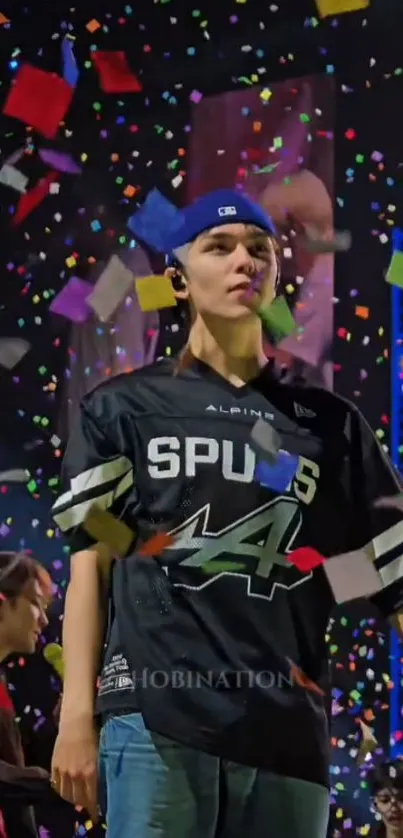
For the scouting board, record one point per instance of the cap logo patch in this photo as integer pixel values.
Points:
(224, 211)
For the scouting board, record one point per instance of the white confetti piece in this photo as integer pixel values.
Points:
(10, 176)
(114, 283)
(14, 475)
(12, 350)
(340, 243)
(352, 576)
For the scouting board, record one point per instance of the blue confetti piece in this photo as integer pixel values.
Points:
(155, 220)
(397, 238)
(70, 69)
(279, 475)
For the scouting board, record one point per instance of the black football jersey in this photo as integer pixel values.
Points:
(206, 638)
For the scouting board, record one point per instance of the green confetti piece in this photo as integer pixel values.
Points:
(395, 271)
(267, 170)
(277, 319)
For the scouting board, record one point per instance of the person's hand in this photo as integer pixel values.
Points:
(74, 769)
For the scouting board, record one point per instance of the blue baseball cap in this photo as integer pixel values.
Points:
(223, 206)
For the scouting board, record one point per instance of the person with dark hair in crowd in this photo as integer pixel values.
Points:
(386, 785)
(205, 732)
(25, 591)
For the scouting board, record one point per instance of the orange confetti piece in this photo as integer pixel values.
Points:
(3, 19)
(129, 191)
(362, 311)
(156, 544)
(303, 681)
(93, 25)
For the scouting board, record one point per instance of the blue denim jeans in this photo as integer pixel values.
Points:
(152, 787)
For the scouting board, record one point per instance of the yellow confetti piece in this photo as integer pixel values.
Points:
(368, 743)
(338, 7)
(106, 529)
(266, 94)
(155, 292)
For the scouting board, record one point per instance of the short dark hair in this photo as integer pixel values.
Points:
(388, 774)
(17, 570)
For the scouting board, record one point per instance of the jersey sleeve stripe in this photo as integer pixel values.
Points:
(74, 516)
(94, 478)
(101, 474)
(392, 572)
(388, 540)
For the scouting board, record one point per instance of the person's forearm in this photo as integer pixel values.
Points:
(83, 635)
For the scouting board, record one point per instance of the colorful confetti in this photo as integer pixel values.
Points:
(123, 97)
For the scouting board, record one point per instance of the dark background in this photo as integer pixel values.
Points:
(362, 51)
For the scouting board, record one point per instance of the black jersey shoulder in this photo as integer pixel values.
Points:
(320, 410)
(128, 392)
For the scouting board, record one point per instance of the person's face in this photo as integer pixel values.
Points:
(23, 619)
(389, 803)
(228, 269)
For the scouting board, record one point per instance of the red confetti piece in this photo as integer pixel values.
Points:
(32, 199)
(5, 700)
(39, 99)
(156, 545)
(115, 75)
(306, 559)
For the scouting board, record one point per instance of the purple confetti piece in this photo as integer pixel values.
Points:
(72, 301)
(59, 161)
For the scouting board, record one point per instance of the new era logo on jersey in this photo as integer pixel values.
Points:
(303, 412)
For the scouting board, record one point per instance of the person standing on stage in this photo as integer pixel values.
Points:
(25, 591)
(204, 732)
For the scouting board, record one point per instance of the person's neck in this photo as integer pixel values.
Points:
(394, 831)
(233, 351)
